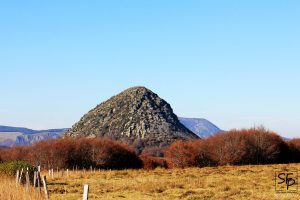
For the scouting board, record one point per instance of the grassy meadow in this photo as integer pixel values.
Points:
(226, 182)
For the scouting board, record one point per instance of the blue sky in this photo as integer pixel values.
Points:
(234, 63)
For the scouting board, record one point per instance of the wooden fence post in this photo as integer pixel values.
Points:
(85, 192)
(17, 177)
(39, 179)
(21, 174)
(34, 179)
(27, 180)
(45, 187)
(52, 174)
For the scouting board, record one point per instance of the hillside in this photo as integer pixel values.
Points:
(201, 127)
(136, 115)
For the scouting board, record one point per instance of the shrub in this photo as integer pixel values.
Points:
(265, 147)
(109, 154)
(153, 151)
(83, 153)
(194, 153)
(10, 167)
(181, 154)
(247, 146)
(203, 156)
(15, 153)
(235, 147)
(152, 162)
(294, 150)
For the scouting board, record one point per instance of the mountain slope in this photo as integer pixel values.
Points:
(133, 115)
(202, 127)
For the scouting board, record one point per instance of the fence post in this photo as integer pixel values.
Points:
(27, 180)
(85, 192)
(39, 179)
(52, 173)
(34, 179)
(20, 178)
(45, 187)
(17, 177)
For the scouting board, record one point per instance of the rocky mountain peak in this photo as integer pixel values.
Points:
(137, 113)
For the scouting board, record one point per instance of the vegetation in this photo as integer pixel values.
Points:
(81, 153)
(236, 147)
(294, 147)
(224, 182)
(10, 167)
(9, 190)
(198, 169)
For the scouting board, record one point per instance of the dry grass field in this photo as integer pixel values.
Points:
(10, 191)
(227, 182)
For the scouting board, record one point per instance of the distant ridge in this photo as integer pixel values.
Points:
(27, 130)
(14, 136)
(202, 127)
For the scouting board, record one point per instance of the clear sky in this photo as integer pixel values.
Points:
(235, 63)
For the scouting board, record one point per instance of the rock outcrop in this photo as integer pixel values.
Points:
(135, 115)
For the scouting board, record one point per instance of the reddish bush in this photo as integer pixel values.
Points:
(151, 162)
(294, 150)
(194, 153)
(67, 153)
(153, 151)
(227, 148)
(265, 147)
(247, 146)
(16, 153)
(203, 156)
(181, 154)
(114, 155)
(235, 147)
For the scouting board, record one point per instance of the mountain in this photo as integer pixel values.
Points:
(12, 136)
(137, 115)
(201, 127)
(16, 129)
(29, 131)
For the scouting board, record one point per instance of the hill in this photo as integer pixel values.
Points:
(136, 115)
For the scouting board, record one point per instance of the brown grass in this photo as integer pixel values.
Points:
(10, 191)
(227, 182)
